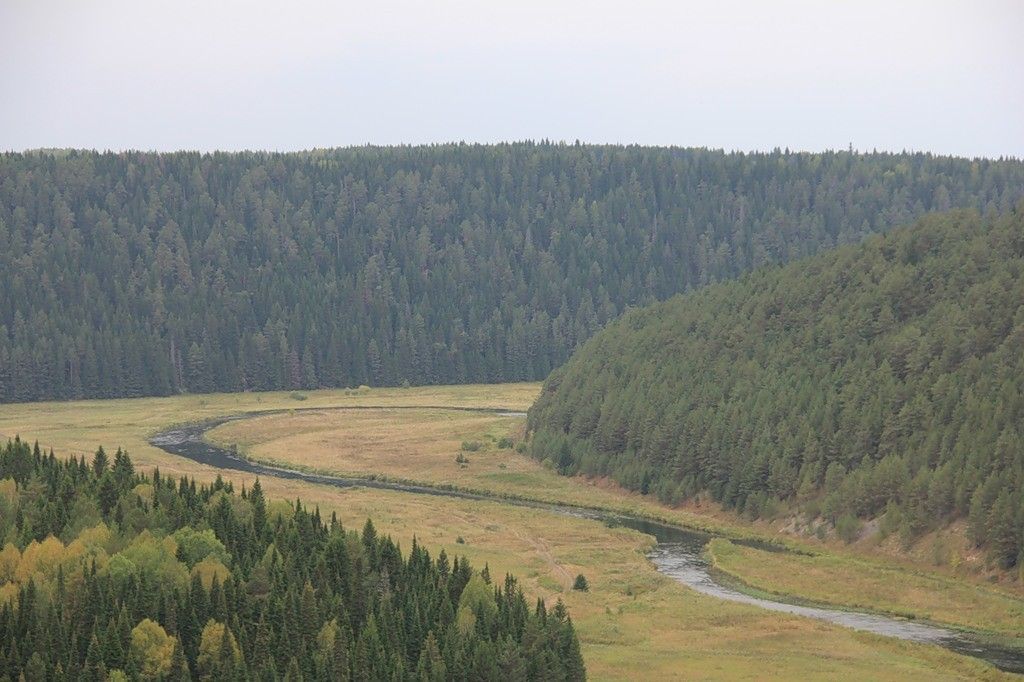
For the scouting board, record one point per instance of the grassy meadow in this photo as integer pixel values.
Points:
(430, 446)
(633, 619)
(871, 585)
(79, 427)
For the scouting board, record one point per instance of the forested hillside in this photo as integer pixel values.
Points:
(147, 274)
(107, 574)
(885, 378)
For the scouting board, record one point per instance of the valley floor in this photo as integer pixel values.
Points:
(633, 618)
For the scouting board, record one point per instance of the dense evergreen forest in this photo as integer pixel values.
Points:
(879, 380)
(107, 574)
(134, 274)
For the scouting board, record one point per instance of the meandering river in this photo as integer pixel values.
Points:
(677, 554)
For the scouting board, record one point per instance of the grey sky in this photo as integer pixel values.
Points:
(946, 77)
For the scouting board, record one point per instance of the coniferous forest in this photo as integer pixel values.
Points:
(129, 274)
(883, 380)
(481, 342)
(121, 575)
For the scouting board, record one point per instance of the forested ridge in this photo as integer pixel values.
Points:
(108, 574)
(127, 274)
(879, 380)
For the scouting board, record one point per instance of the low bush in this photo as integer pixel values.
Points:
(848, 528)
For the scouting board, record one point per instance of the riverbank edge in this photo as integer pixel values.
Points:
(731, 533)
(736, 582)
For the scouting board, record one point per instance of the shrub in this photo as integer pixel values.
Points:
(848, 528)
(505, 443)
(581, 584)
(471, 445)
(812, 510)
(891, 520)
(461, 459)
(770, 508)
(295, 395)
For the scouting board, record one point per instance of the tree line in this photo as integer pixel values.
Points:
(884, 380)
(129, 274)
(109, 574)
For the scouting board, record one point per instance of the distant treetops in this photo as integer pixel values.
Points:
(135, 274)
(108, 574)
(880, 380)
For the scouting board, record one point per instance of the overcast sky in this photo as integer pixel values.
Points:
(929, 75)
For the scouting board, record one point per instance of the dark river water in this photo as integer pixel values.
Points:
(677, 554)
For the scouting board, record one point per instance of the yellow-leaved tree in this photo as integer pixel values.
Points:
(209, 568)
(10, 558)
(8, 501)
(217, 650)
(153, 649)
(40, 560)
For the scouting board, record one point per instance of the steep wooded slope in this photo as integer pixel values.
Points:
(883, 377)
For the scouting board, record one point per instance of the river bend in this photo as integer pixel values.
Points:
(678, 553)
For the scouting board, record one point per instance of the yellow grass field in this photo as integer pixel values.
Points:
(421, 446)
(873, 586)
(399, 443)
(633, 624)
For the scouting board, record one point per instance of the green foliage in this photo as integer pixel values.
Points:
(478, 597)
(219, 653)
(127, 274)
(294, 593)
(848, 528)
(581, 583)
(155, 559)
(471, 445)
(885, 377)
(196, 545)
